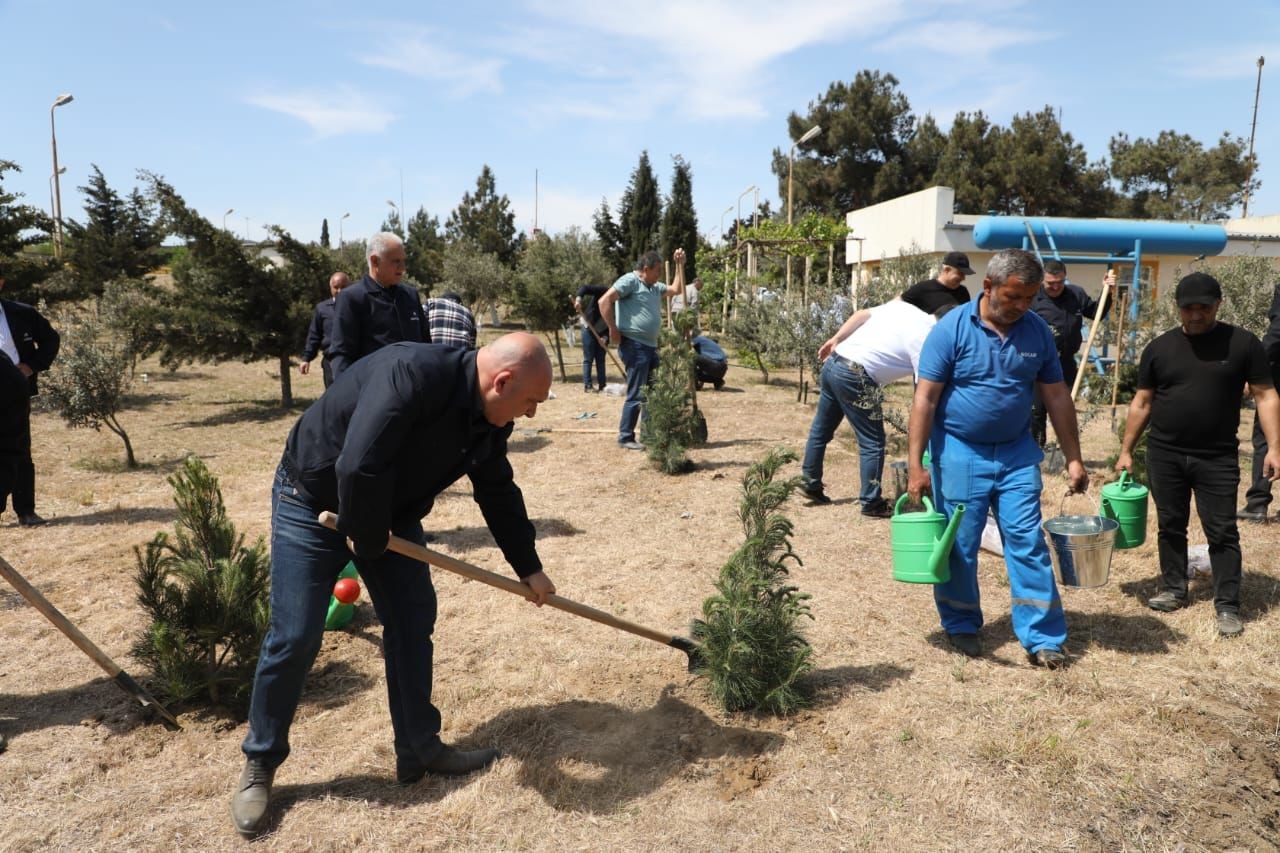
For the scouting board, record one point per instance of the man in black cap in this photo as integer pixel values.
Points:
(947, 289)
(1258, 498)
(1189, 382)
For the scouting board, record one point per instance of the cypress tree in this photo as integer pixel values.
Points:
(679, 221)
(324, 233)
(640, 219)
(609, 234)
(752, 650)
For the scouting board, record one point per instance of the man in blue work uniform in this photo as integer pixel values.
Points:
(972, 407)
(320, 331)
(383, 442)
(378, 309)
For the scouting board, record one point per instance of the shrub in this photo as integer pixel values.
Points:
(673, 422)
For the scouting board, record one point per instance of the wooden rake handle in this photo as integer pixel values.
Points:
(475, 573)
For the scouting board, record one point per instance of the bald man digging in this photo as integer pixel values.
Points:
(390, 435)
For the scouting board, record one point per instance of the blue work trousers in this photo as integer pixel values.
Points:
(1004, 478)
(641, 360)
(849, 393)
(306, 558)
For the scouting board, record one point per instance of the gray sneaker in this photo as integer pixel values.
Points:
(1230, 624)
(252, 796)
(1166, 602)
(631, 445)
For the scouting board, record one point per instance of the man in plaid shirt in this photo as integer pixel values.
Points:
(450, 322)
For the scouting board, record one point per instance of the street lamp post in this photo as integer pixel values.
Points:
(230, 210)
(791, 161)
(64, 98)
(344, 216)
(737, 239)
(727, 211)
(53, 210)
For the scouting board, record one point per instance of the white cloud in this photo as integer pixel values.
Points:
(328, 113)
(420, 54)
(706, 59)
(968, 39)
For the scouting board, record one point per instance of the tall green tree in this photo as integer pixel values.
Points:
(481, 279)
(119, 238)
(679, 221)
(640, 215)
(865, 124)
(609, 236)
(969, 163)
(424, 249)
(485, 218)
(21, 227)
(228, 305)
(550, 272)
(392, 224)
(1175, 177)
(1045, 172)
(324, 233)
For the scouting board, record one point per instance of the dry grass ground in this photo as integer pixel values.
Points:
(1160, 736)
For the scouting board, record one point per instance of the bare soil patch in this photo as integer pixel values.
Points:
(1160, 736)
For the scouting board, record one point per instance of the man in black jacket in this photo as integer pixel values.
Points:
(320, 333)
(29, 344)
(1258, 497)
(1064, 306)
(377, 310)
(392, 433)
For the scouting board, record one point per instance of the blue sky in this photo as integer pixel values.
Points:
(293, 112)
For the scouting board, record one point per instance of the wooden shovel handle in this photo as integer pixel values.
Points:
(475, 573)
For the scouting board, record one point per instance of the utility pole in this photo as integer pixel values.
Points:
(1252, 130)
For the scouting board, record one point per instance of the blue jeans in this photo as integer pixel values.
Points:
(305, 560)
(591, 352)
(1005, 478)
(640, 360)
(848, 392)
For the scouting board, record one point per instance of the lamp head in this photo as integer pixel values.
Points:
(64, 98)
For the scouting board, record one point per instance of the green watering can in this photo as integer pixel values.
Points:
(340, 615)
(1125, 502)
(922, 542)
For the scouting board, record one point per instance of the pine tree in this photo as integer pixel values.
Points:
(324, 233)
(679, 221)
(640, 219)
(485, 218)
(21, 226)
(752, 650)
(610, 237)
(206, 595)
(424, 249)
(119, 239)
(392, 224)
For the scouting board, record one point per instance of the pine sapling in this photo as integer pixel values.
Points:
(753, 652)
(206, 595)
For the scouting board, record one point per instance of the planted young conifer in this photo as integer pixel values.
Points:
(206, 595)
(673, 422)
(752, 650)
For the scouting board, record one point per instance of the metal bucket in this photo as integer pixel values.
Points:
(1080, 547)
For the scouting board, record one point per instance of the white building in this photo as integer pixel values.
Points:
(928, 220)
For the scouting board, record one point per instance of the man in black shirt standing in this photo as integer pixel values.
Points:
(1258, 498)
(1189, 382)
(321, 330)
(947, 289)
(594, 333)
(377, 310)
(1064, 306)
(393, 432)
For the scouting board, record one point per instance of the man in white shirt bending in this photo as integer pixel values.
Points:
(873, 348)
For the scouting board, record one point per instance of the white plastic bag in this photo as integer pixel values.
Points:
(615, 389)
(1198, 561)
(991, 540)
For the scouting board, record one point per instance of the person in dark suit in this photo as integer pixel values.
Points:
(28, 346)
(378, 448)
(321, 330)
(377, 310)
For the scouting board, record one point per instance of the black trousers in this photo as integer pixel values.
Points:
(326, 371)
(1258, 498)
(1039, 414)
(1215, 481)
(17, 472)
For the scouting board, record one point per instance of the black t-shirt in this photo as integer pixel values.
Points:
(1197, 380)
(930, 295)
(589, 295)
